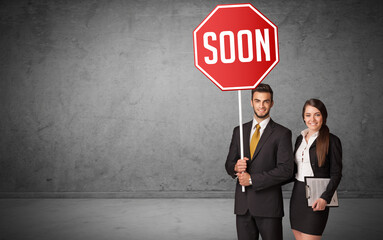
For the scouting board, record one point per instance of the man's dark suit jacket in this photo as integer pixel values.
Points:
(331, 169)
(272, 165)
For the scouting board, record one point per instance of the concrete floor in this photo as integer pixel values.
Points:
(141, 219)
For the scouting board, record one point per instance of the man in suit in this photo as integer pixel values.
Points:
(268, 162)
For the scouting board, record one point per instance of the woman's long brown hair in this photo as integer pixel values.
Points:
(322, 141)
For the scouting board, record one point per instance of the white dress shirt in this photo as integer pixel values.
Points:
(262, 124)
(302, 157)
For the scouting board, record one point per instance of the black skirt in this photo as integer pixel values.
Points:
(302, 217)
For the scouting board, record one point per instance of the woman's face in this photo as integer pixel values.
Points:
(313, 118)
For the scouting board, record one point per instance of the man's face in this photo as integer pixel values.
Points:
(261, 104)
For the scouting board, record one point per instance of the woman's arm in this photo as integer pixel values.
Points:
(335, 161)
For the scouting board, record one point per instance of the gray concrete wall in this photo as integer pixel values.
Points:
(103, 96)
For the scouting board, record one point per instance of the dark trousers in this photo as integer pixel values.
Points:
(249, 227)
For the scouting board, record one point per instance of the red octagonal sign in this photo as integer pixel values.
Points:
(236, 46)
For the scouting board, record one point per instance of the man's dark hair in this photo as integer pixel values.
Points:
(262, 87)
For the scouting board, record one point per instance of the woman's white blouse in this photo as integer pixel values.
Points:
(302, 157)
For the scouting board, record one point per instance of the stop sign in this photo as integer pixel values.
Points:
(236, 46)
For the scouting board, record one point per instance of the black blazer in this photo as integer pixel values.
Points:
(331, 169)
(272, 164)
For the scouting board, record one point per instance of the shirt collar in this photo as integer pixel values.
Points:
(263, 124)
(304, 133)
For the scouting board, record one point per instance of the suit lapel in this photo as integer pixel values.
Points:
(313, 144)
(265, 135)
(246, 138)
(298, 143)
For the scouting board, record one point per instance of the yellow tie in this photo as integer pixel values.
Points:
(254, 140)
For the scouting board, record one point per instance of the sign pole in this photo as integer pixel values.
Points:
(240, 127)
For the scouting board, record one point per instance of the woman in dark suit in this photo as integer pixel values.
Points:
(318, 153)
